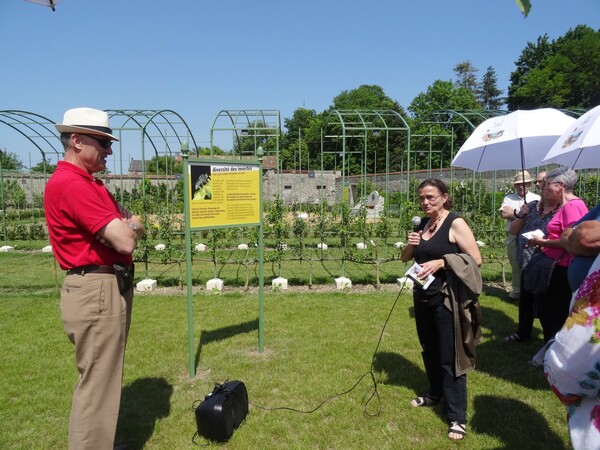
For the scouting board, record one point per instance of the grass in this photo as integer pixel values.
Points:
(317, 345)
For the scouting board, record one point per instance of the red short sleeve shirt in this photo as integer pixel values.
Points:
(77, 206)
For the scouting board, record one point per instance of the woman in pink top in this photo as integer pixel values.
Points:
(553, 306)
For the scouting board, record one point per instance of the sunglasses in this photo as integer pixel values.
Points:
(104, 143)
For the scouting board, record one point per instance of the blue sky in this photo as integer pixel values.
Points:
(199, 58)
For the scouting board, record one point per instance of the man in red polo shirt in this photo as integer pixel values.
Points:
(92, 238)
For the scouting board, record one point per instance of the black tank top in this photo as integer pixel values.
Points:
(435, 247)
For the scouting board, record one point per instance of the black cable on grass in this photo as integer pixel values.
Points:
(374, 394)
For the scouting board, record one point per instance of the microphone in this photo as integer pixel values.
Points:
(416, 221)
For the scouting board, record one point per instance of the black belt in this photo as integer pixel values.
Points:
(90, 269)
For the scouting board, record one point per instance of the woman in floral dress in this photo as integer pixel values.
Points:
(572, 363)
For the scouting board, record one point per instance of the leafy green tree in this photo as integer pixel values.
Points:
(14, 195)
(561, 73)
(206, 151)
(165, 164)
(466, 76)
(39, 167)
(490, 93)
(10, 161)
(302, 136)
(365, 97)
(442, 95)
(258, 134)
(432, 126)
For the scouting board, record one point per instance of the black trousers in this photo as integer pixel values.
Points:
(435, 328)
(554, 304)
(526, 312)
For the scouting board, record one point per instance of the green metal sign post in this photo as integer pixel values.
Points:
(221, 194)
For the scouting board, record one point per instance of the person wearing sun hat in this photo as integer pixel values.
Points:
(510, 210)
(92, 238)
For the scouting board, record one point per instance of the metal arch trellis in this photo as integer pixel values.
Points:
(149, 123)
(38, 130)
(257, 124)
(363, 124)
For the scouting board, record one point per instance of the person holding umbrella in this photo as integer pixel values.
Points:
(511, 210)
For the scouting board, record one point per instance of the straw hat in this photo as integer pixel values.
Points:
(522, 176)
(86, 121)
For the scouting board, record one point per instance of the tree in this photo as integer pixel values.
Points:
(442, 95)
(303, 133)
(10, 161)
(466, 76)
(44, 166)
(428, 130)
(365, 97)
(162, 165)
(559, 74)
(490, 94)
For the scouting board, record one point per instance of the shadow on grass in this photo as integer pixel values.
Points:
(494, 291)
(503, 418)
(223, 333)
(508, 360)
(400, 371)
(143, 402)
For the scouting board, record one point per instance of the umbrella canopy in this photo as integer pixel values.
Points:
(519, 140)
(579, 146)
(51, 3)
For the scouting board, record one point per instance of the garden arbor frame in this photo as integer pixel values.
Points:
(363, 124)
(162, 129)
(40, 132)
(260, 125)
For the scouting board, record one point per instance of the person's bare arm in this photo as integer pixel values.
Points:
(583, 239)
(464, 238)
(119, 235)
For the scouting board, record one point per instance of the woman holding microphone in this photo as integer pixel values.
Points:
(438, 243)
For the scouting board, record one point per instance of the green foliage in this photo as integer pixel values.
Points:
(560, 73)
(524, 6)
(10, 161)
(45, 166)
(365, 97)
(163, 165)
(489, 95)
(277, 228)
(14, 195)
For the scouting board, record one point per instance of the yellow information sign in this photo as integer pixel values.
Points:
(223, 194)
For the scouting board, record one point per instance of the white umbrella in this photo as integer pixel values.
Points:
(51, 3)
(519, 140)
(579, 145)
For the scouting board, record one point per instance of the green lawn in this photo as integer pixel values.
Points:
(317, 345)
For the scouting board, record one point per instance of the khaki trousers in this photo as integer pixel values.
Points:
(96, 319)
(511, 252)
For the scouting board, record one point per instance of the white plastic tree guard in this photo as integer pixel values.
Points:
(280, 283)
(343, 283)
(146, 285)
(214, 284)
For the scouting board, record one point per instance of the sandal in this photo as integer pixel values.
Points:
(459, 430)
(425, 400)
(513, 338)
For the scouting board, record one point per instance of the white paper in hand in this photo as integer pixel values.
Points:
(535, 233)
(413, 274)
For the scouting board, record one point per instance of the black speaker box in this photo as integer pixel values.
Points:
(222, 411)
